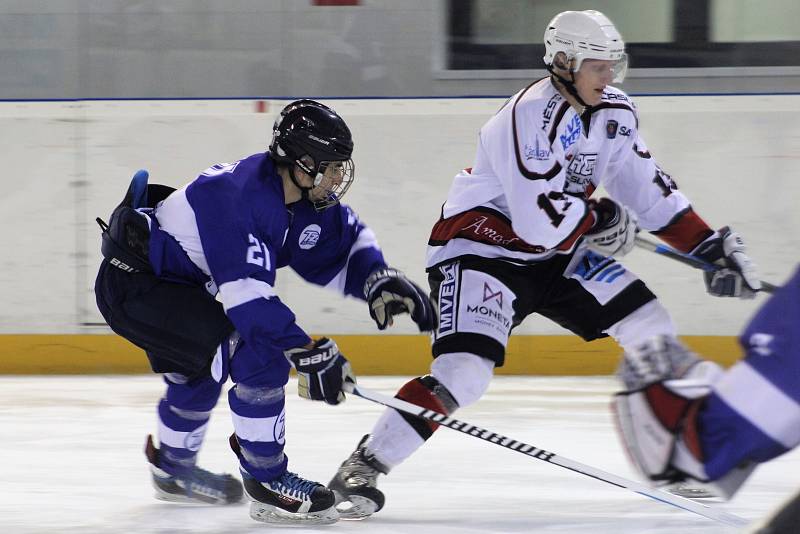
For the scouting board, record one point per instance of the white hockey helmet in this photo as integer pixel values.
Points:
(585, 35)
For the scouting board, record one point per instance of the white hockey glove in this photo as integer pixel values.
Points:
(322, 371)
(738, 276)
(656, 417)
(389, 293)
(614, 231)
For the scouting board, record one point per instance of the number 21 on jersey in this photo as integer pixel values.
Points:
(257, 253)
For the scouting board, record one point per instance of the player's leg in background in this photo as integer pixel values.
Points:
(183, 416)
(477, 312)
(181, 328)
(257, 403)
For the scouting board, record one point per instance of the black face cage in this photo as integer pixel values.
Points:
(327, 176)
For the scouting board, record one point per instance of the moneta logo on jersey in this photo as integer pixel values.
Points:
(489, 294)
(309, 236)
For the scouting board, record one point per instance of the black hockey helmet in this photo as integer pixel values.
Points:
(314, 137)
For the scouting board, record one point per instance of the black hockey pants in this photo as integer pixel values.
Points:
(179, 326)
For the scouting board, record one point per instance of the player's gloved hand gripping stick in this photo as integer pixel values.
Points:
(693, 261)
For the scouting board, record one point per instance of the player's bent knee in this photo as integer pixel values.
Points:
(466, 376)
(427, 392)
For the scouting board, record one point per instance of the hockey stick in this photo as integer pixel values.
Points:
(541, 454)
(689, 260)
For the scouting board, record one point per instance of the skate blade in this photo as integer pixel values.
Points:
(692, 492)
(355, 508)
(270, 514)
(162, 495)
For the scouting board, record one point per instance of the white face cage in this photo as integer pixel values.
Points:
(331, 182)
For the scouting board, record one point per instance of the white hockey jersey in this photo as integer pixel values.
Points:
(526, 196)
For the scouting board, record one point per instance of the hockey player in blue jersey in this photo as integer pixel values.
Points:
(715, 426)
(189, 276)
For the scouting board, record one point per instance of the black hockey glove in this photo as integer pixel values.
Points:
(322, 371)
(738, 276)
(390, 293)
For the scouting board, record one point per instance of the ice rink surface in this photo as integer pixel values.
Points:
(72, 462)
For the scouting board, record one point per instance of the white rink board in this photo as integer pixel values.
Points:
(736, 157)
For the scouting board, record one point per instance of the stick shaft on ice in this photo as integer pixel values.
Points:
(546, 456)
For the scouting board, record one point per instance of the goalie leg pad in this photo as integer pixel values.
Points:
(659, 431)
(648, 421)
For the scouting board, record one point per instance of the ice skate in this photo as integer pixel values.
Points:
(291, 500)
(355, 484)
(190, 484)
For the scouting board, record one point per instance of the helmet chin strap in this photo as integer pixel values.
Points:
(304, 191)
(569, 85)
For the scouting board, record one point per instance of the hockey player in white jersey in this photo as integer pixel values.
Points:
(519, 234)
(169, 253)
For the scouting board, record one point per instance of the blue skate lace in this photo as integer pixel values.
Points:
(297, 486)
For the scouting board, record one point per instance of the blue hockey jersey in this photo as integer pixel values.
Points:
(753, 413)
(229, 230)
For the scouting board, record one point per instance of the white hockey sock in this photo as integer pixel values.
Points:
(648, 321)
(392, 439)
(465, 376)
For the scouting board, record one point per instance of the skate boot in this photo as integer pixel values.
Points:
(190, 484)
(290, 499)
(355, 484)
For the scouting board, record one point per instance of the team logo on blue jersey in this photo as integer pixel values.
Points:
(309, 236)
(279, 430)
(194, 439)
(572, 132)
(759, 343)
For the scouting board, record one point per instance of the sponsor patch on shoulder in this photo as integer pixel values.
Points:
(611, 128)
